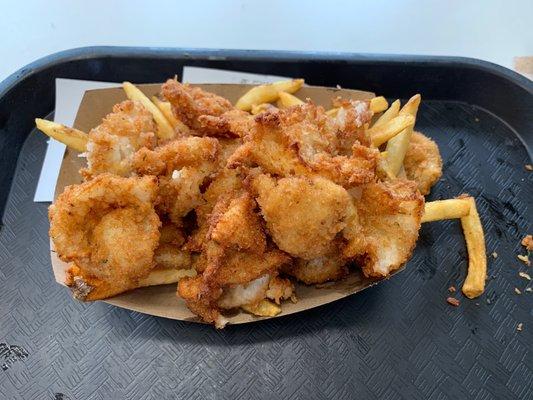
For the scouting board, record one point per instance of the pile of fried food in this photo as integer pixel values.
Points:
(236, 202)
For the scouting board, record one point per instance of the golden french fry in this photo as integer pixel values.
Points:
(397, 146)
(411, 107)
(392, 128)
(383, 168)
(287, 100)
(401, 174)
(391, 113)
(289, 86)
(256, 109)
(445, 209)
(474, 284)
(166, 276)
(265, 308)
(71, 137)
(378, 104)
(164, 128)
(267, 93)
(166, 109)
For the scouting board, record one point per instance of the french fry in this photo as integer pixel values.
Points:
(256, 109)
(164, 128)
(392, 128)
(445, 209)
(382, 166)
(401, 174)
(474, 284)
(267, 93)
(166, 276)
(391, 113)
(166, 109)
(378, 104)
(265, 308)
(71, 137)
(287, 100)
(397, 146)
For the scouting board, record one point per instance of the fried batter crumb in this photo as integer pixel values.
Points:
(527, 242)
(524, 259)
(524, 275)
(529, 167)
(453, 301)
(451, 289)
(494, 255)
(517, 291)
(519, 327)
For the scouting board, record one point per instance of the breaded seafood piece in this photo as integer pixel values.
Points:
(233, 279)
(330, 267)
(235, 223)
(384, 233)
(304, 140)
(336, 148)
(302, 214)
(267, 286)
(182, 166)
(189, 151)
(350, 122)
(113, 143)
(231, 260)
(190, 102)
(422, 162)
(94, 225)
(233, 123)
(225, 183)
(266, 146)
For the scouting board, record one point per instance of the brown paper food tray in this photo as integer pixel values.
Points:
(162, 300)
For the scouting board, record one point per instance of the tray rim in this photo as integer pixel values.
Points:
(88, 52)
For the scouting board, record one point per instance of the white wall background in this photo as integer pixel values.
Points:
(493, 30)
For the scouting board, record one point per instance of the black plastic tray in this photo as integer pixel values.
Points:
(397, 340)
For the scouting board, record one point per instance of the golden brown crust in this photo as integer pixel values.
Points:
(527, 242)
(94, 224)
(235, 223)
(303, 140)
(226, 183)
(113, 143)
(303, 215)
(232, 124)
(182, 165)
(331, 267)
(189, 102)
(174, 155)
(385, 231)
(422, 162)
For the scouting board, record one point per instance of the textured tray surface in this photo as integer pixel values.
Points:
(399, 339)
